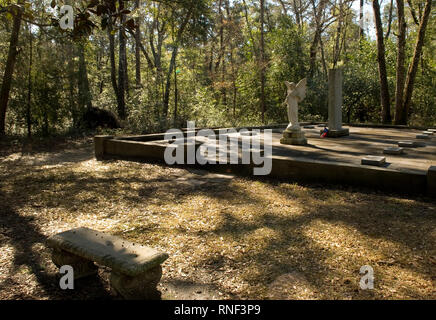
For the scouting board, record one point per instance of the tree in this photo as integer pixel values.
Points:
(111, 36)
(29, 85)
(85, 97)
(381, 59)
(262, 59)
(17, 12)
(138, 48)
(175, 46)
(122, 67)
(413, 68)
(400, 114)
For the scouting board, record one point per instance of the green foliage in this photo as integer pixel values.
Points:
(361, 85)
(217, 67)
(288, 62)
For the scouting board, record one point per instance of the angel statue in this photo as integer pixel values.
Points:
(296, 94)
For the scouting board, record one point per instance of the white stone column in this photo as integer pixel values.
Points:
(335, 100)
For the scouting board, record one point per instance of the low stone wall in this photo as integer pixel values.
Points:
(431, 181)
(347, 174)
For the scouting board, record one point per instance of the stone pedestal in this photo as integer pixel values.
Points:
(141, 287)
(82, 267)
(335, 105)
(294, 137)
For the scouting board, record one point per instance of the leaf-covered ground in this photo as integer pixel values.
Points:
(227, 237)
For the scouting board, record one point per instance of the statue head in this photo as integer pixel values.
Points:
(297, 91)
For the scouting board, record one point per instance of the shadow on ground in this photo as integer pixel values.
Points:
(263, 239)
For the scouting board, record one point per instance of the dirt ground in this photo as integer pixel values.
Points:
(227, 237)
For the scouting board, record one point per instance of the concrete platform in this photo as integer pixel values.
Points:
(360, 143)
(327, 160)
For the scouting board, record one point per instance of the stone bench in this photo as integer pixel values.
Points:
(135, 269)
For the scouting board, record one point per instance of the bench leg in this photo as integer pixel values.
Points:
(142, 287)
(82, 267)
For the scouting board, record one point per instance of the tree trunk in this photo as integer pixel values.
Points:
(85, 98)
(112, 57)
(122, 68)
(413, 68)
(29, 86)
(168, 83)
(221, 36)
(337, 45)
(318, 10)
(138, 48)
(176, 96)
(126, 72)
(361, 30)
(297, 13)
(262, 60)
(381, 59)
(391, 7)
(72, 83)
(400, 113)
(313, 53)
(285, 11)
(171, 68)
(9, 69)
(232, 62)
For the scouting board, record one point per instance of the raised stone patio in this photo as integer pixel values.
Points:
(321, 160)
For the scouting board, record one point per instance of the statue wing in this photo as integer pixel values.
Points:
(301, 87)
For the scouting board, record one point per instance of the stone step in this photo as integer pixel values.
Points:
(423, 136)
(374, 161)
(408, 144)
(393, 151)
(420, 144)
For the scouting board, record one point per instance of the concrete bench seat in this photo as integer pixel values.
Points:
(136, 269)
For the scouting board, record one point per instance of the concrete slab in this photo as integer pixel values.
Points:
(407, 144)
(423, 136)
(419, 144)
(393, 151)
(428, 133)
(374, 161)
